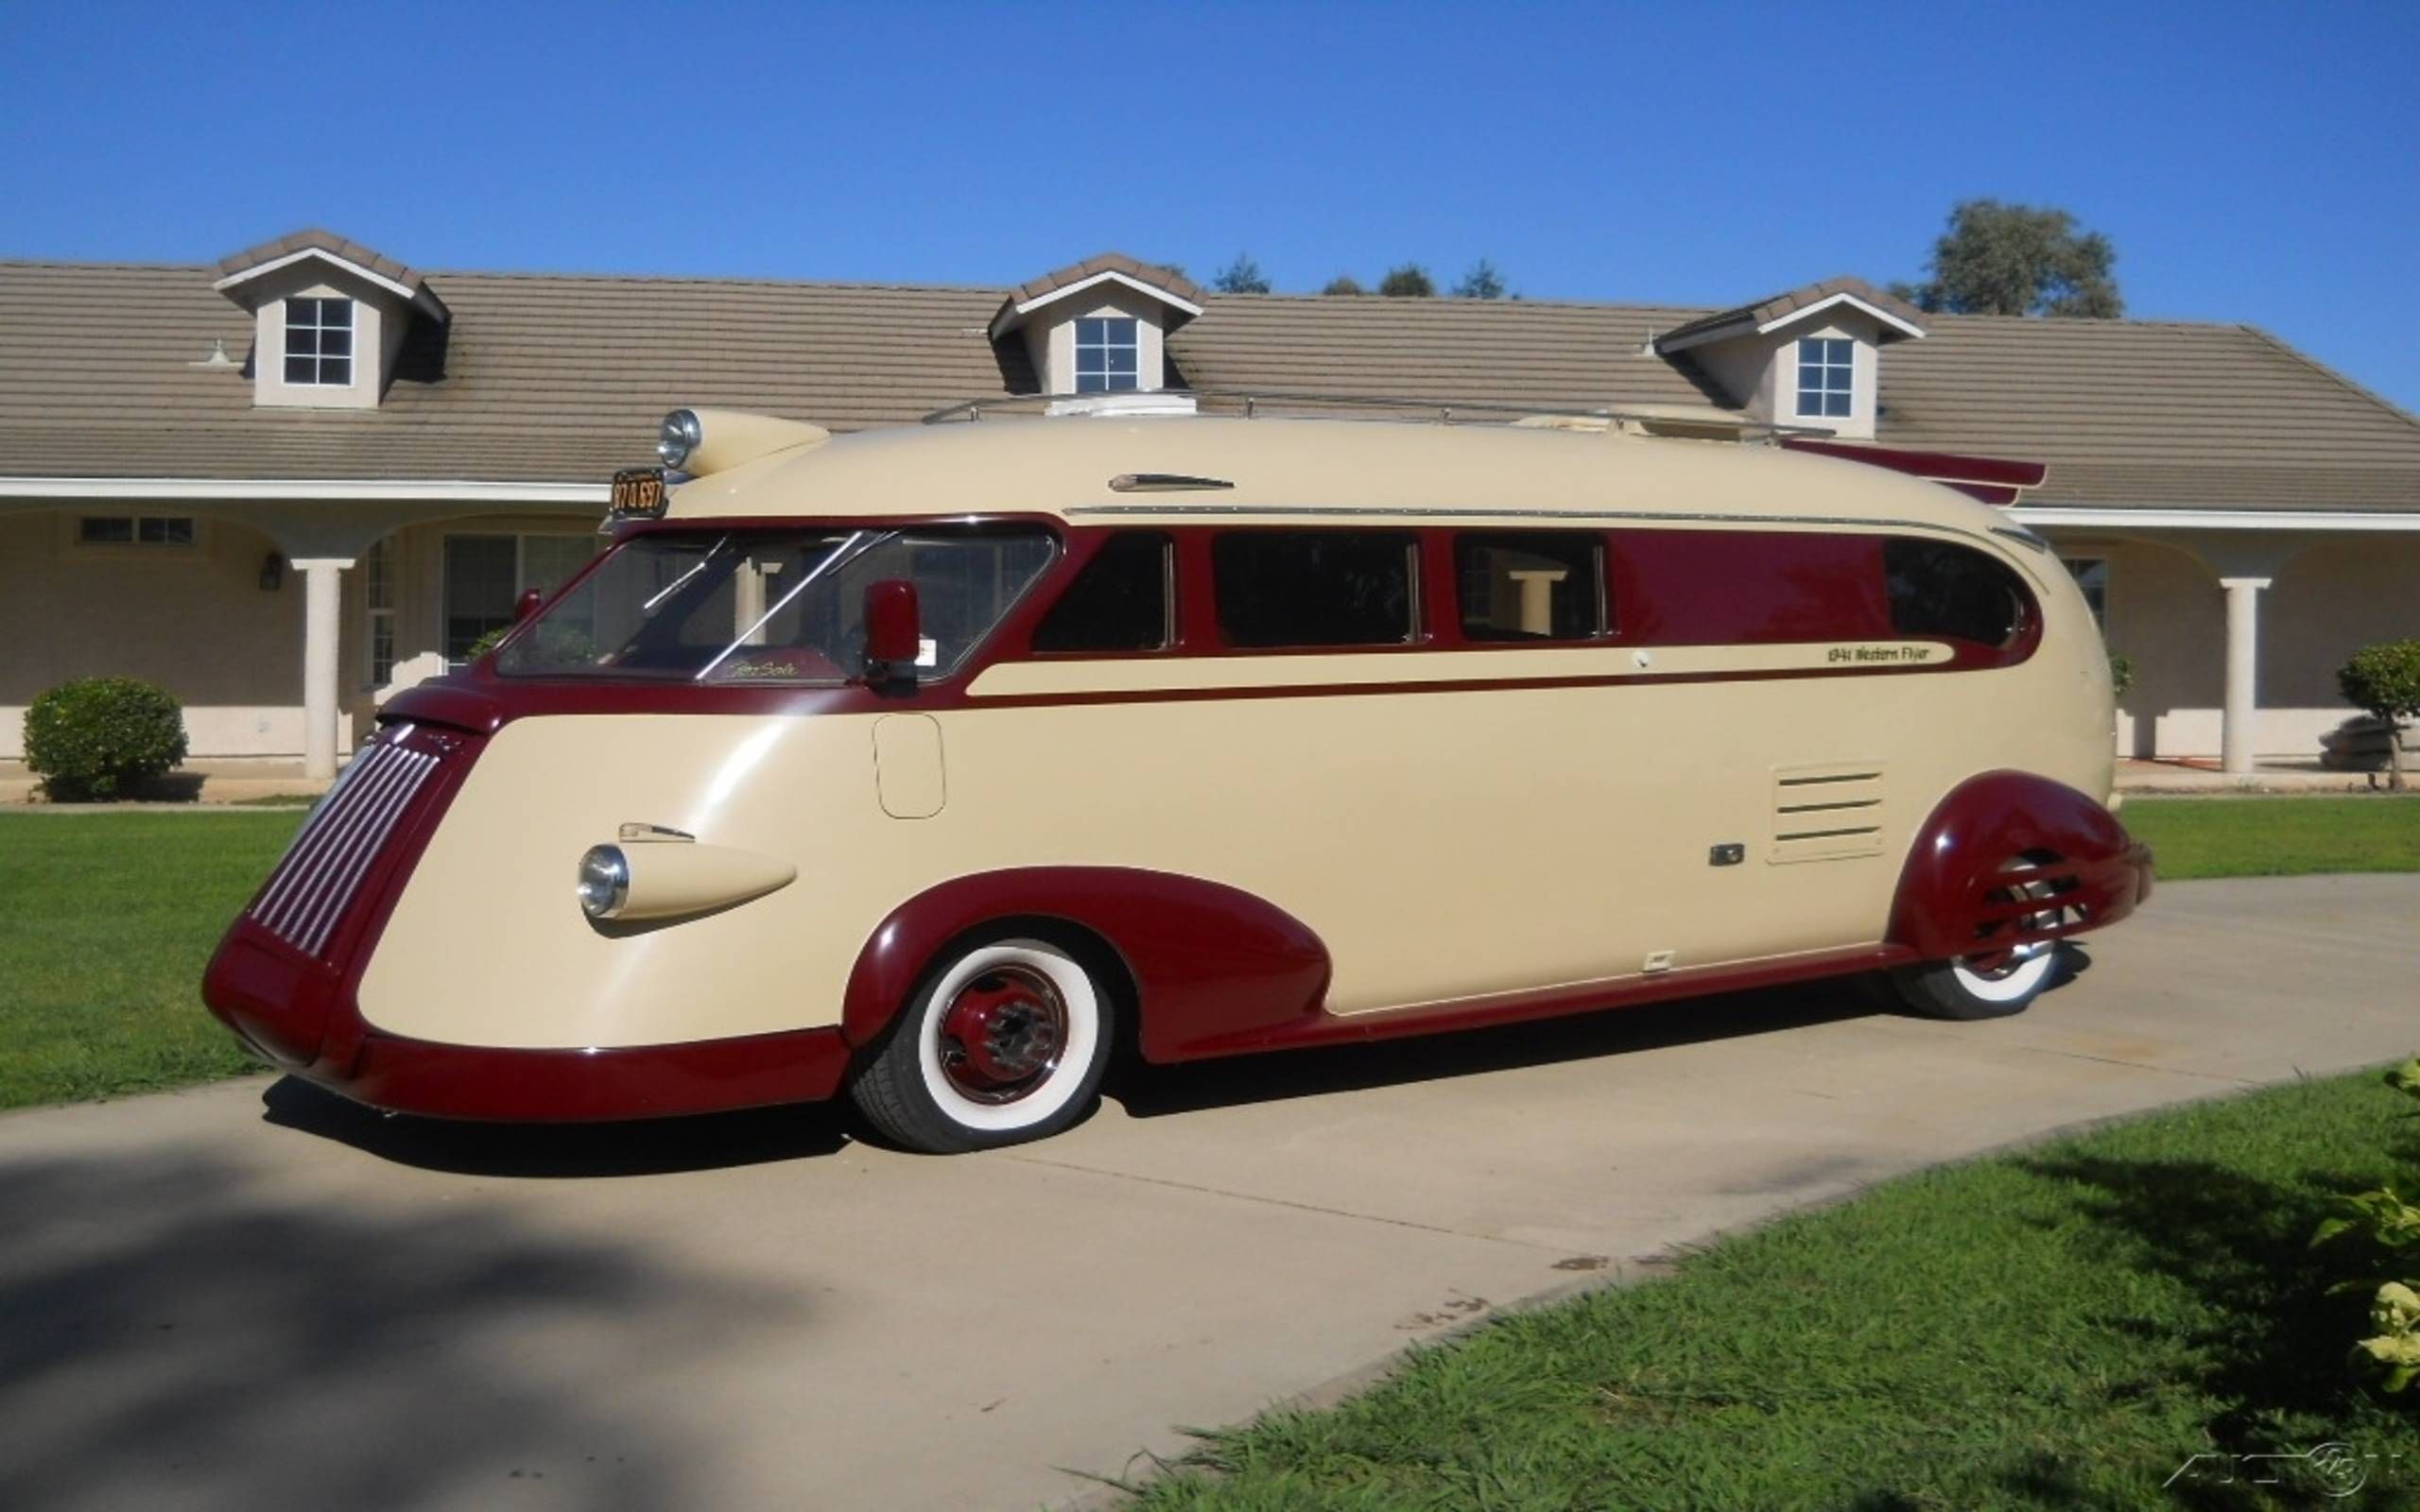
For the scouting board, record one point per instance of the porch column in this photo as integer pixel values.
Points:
(2236, 733)
(322, 591)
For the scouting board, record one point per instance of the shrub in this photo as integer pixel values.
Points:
(2384, 679)
(2390, 1230)
(2122, 673)
(91, 738)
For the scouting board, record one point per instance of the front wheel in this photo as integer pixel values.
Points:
(1005, 1042)
(1990, 987)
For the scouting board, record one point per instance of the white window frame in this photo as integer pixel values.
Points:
(134, 544)
(1831, 355)
(318, 326)
(380, 570)
(521, 583)
(1109, 380)
(2071, 561)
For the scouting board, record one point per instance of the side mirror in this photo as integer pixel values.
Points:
(526, 604)
(894, 635)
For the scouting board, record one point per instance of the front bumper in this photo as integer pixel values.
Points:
(287, 975)
(299, 1014)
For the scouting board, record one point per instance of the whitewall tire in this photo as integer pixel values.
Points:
(1004, 1041)
(1978, 989)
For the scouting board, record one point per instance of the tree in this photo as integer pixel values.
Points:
(1409, 281)
(2384, 679)
(1997, 259)
(1242, 276)
(1344, 284)
(1481, 282)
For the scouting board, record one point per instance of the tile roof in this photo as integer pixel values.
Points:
(561, 378)
(1155, 274)
(311, 238)
(1766, 311)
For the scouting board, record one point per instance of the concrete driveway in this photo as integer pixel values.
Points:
(255, 1293)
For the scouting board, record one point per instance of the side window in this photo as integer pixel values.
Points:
(1749, 587)
(1120, 602)
(1316, 587)
(1531, 586)
(1954, 591)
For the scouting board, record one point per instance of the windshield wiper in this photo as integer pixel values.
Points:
(674, 587)
(859, 544)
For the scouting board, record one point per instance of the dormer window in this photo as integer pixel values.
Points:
(1094, 327)
(331, 319)
(1826, 377)
(318, 341)
(1108, 354)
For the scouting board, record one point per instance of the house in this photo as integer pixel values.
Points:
(289, 484)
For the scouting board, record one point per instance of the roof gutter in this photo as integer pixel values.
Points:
(268, 489)
(2101, 517)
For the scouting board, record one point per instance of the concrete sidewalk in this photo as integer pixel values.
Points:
(254, 1292)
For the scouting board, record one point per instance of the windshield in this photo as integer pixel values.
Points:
(725, 607)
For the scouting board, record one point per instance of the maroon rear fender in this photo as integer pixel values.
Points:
(1207, 961)
(1969, 886)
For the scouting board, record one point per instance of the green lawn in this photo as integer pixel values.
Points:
(106, 923)
(106, 920)
(2277, 836)
(2057, 1328)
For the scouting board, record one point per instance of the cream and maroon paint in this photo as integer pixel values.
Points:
(1292, 844)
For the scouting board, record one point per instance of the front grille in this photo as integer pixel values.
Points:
(308, 893)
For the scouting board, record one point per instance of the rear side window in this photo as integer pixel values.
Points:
(1749, 587)
(1316, 587)
(1120, 601)
(1953, 591)
(1531, 586)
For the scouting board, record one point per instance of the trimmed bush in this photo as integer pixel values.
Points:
(2384, 679)
(92, 738)
(2122, 673)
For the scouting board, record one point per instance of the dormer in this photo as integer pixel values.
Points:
(1099, 326)
(329, 317)
(1810, 356)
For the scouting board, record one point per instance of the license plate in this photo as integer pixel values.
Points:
(638, 491)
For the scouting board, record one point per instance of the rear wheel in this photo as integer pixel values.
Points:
(1993, 983)
(1006, 1041)
(1978, 986)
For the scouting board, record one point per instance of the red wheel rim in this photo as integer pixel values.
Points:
(1002, 1034)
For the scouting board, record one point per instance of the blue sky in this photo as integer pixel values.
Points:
(2252, 163)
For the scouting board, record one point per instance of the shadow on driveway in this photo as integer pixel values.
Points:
(175, 1333)
(1154, 1091)
(706, 1142)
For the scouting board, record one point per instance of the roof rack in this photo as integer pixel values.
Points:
(1675, 421)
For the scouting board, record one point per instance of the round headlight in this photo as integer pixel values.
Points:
(604, 881)
(678, 437)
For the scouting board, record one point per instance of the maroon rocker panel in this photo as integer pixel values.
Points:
(1945, 901)
(1206, 960)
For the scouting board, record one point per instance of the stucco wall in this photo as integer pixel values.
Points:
(2168, 615)
(194, 621)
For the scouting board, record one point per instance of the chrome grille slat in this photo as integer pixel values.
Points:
(309, 894)
(293, 868)
(334, 824)
(342, 830)
(347, 869)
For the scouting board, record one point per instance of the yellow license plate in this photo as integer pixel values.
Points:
(638, 491)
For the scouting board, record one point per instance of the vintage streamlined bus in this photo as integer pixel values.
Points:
(932, 762)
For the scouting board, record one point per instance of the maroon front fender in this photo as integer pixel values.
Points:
(1207, 960)
(1957, 892)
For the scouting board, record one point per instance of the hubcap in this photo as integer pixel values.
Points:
(1002, 1034)
(2000, 965)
